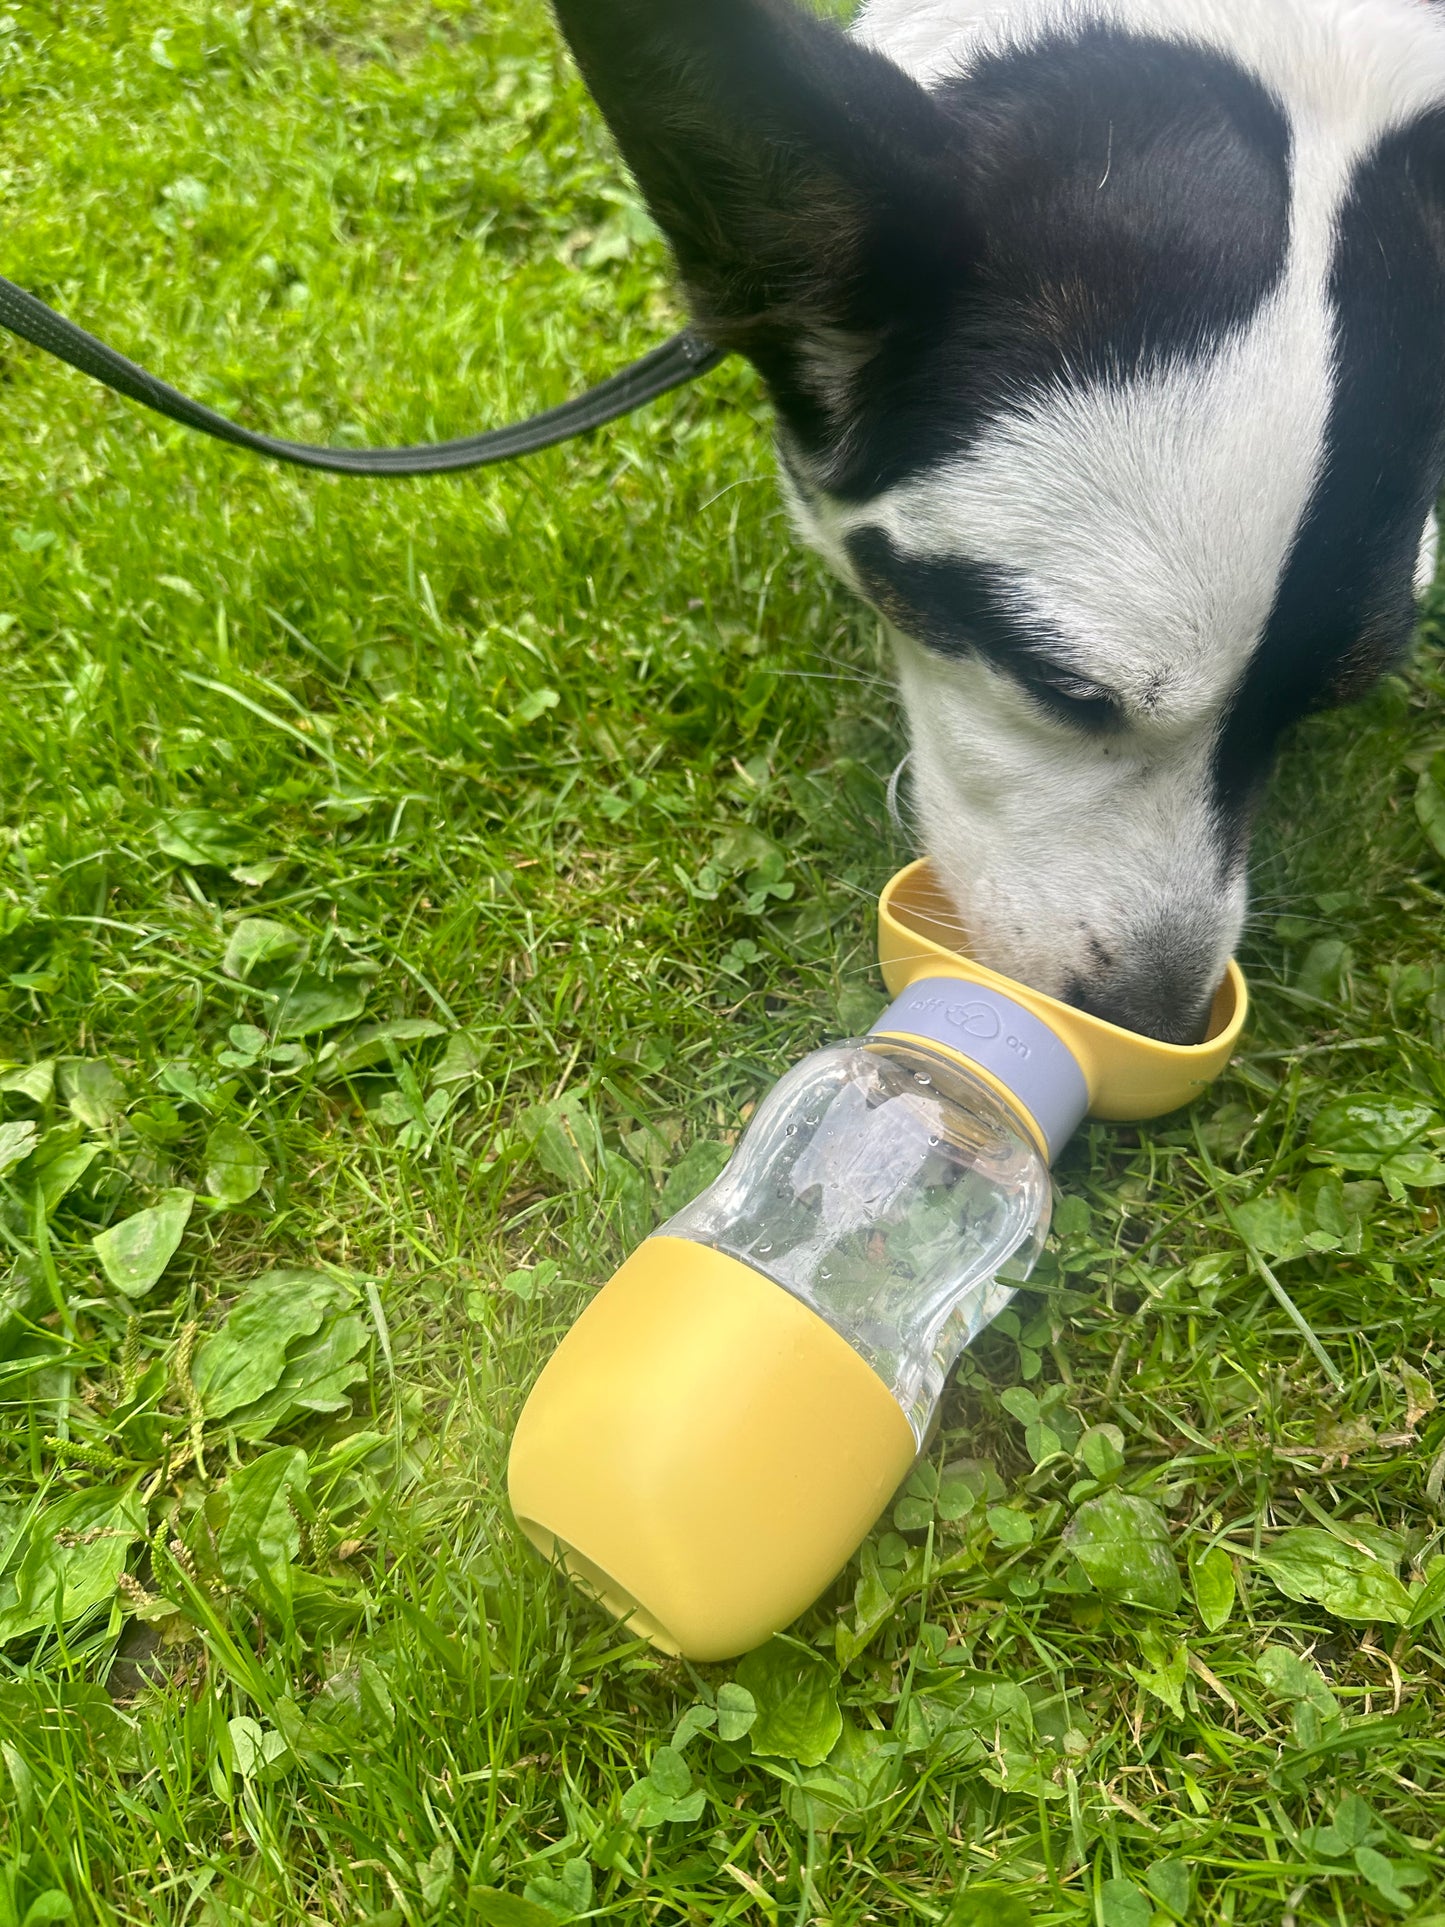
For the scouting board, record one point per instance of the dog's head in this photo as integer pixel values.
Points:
(1108, 368)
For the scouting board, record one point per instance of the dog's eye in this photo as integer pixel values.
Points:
(1072, 697)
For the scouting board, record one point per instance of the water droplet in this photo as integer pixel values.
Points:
(922, 1077)
(935, 1141)
(763, 1250)
(792, 1130)
(825, 1274)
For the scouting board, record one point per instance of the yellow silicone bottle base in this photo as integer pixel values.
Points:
(603, 1588)
(703, 1453)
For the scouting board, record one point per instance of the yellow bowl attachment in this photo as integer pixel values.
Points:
(1130, 1078)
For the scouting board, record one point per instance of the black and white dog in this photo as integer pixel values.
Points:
(1107, 342)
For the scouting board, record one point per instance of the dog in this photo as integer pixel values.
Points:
(1106, 341)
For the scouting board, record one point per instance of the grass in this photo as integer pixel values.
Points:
(407, 881)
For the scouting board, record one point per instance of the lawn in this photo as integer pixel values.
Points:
(405, 890)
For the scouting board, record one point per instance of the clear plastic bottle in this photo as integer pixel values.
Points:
(732, 1412)
(896, 1195)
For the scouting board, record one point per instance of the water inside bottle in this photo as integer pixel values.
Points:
(895, 1194)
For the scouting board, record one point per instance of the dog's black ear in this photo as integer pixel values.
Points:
(809, 187)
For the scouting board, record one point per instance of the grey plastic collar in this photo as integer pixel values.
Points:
(1002, 1038)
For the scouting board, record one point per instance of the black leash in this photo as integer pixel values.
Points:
(679, 360)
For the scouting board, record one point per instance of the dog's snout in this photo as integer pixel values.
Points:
(1170, 1003)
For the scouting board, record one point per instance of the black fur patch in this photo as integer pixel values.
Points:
(1130, 203)
(964, 608)
(902, 264)
(1345, 609)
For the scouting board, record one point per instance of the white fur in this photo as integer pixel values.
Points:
(1429, 557)
(1149, 524)
(1352, 61)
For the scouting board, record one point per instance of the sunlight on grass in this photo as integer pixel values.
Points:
(399, 885)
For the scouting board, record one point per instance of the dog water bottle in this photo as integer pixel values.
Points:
(731, 1414)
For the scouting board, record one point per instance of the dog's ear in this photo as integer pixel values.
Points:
(809, 187)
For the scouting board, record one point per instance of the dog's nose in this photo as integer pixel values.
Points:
(1169, 1005)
